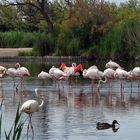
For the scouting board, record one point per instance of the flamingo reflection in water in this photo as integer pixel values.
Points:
(29, 107)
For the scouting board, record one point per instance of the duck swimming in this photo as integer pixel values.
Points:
(105, 125)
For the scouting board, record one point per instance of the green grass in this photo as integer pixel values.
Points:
(16, 129)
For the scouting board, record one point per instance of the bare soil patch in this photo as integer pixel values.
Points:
(12, 51)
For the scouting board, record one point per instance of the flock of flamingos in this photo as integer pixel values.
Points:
(112, 71)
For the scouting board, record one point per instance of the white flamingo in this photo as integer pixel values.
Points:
(21, 72)
(58, 74)
(12, 72)
(71, 70)
(121, 74)
(92, 73)
(2, 69)
(108, 74)
(136, 75)
(64, 68)
(44, 75)
(29, 107)
(2, 73)
(111, 64)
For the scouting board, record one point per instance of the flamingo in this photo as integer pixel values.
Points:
(64, 68)
(21, 72)
(29, 107)
(136, 75)
(107, 74)
(92, 73)
(111, 64)
(78, 68)
(121, 74)
(2, 72)
(71, 71)
(58, 74)
(12, 72)
(44, 75)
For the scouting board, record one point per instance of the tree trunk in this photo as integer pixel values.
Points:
(49, 22)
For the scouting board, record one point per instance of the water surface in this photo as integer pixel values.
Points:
(72, 110)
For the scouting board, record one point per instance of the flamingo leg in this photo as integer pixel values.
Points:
(92, 85)
(14, 82)
(30, 125)
(109, 85)
(138, 86)
(19, 83)
(131, 86)
(121, 85)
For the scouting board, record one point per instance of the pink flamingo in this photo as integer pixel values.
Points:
(121, 74)
(2, 73)
(21, 72)
(92, 73)
(12, 72)
(108, 74)
(71, 71)
(29, 107)
(78, 68)
(44, 75)
(111, 64)
(58, 74)
(136, 74)
(64, 68)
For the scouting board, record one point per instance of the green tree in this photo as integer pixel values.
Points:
(32, 10)
(9, 19)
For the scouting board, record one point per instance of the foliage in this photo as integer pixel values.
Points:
(15, 131)
(80, 27)
(44, 44)
(123, 41)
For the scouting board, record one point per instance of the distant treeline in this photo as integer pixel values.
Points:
(93, 28)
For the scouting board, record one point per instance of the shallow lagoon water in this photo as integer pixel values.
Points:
(72, 111)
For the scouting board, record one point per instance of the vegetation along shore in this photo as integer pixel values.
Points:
(88, 28)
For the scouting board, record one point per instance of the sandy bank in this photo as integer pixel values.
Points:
(12, 51)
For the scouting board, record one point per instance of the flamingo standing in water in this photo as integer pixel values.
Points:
(12, 72)
(44, 75)
(121, 74)
(21, 72)
(136, 74)
(92, 73)
(2, 73)
(108, 74)
(64, 68)
(74, 70)
(29, 107)
(2, 70)
(113, 65)
(58, 74)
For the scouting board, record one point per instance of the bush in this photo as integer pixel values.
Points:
(123, 42)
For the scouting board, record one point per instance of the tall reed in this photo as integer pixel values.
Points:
(16, 129)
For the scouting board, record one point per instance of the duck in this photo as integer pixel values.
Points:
(104, 125)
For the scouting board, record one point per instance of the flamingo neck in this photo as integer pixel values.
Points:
(103, 81)
(41, 105)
